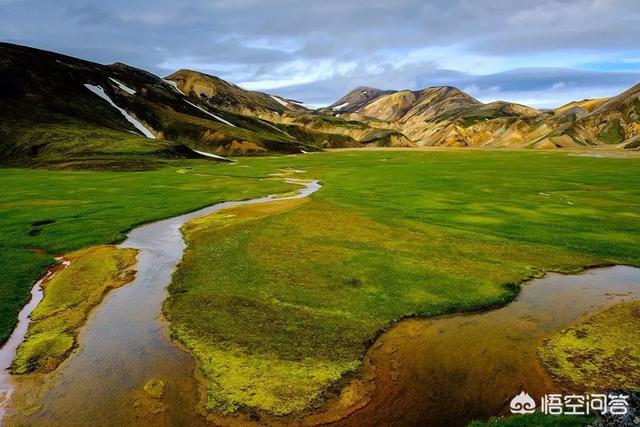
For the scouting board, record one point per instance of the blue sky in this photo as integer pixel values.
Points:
(542, 53)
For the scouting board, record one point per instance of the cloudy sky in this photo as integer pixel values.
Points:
(542, 53)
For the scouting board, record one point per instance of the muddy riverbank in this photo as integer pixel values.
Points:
(125, 345)
(440, 371)
(454, 369)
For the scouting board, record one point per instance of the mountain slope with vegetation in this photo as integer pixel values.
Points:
(58, 111)
(446, 116)
(319, 128)
(54, 108)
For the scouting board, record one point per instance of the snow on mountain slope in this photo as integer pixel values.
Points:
(136, 123)
(218, 118)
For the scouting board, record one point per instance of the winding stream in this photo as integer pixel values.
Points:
(125, 342)
(441, 371)
(450, 370)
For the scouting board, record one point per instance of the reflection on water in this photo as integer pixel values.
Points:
(448, 371)
(125, 344)
(8, 350)
(442, 371)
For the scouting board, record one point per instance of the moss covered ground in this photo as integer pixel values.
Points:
(47, 213)
(277, 303)
(536, 420)
(601, 353)
(69, 297)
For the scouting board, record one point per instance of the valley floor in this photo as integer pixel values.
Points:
(280, 302)
(391, 234)
(47, 213)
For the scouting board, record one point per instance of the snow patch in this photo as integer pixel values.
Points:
(123, 87)
(136, 123)
(280, 101)
(340, 107)
(174, 85)
(218, 118)
(213, 156)
(274, 127)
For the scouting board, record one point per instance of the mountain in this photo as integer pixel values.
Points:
(615, 121)
(59, 110)
(224, 95)
(314, 127)
(446, 116)
(357, 99)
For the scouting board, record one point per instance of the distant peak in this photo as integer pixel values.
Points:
(367, 88)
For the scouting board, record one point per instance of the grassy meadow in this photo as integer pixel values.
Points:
(47, 213)
(280, 302)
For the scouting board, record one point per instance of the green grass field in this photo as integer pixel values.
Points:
(279, 302)
(303, 288)
(46, 213)
(537, 420)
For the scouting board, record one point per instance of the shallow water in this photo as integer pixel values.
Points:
(450, 370)
(8, 350)
(441, 371)
(10, 347)
(125, 343)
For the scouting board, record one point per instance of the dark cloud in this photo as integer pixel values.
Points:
(316, 50)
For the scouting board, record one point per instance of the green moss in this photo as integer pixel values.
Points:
(600, 353)
(85, 208)
(390, 234)
(536, 420)
(68, 298)
(154, 388)
(237, 379)
(42, 348)
(612, 133)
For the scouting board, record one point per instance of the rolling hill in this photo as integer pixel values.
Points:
(320, 128)
(446, 116)
(55, 109)
(59, 111)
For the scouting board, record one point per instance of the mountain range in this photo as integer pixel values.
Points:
(64, 111)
